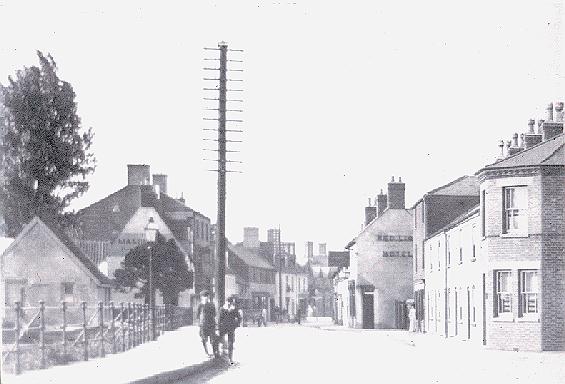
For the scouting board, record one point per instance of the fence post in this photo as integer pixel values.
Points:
(113, 327)
(42, 332)
(122, 325)
(148, 321)
(17, 337)
(64, 328)
(135, 324)
(101, 327)
(85, 329)
(144, 323)
(129, 326)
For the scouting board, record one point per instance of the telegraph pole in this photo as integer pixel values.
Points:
(280, 272)
(221, 247)
(221, 160)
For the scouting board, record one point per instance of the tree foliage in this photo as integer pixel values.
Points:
(45, 152)
(170, 270)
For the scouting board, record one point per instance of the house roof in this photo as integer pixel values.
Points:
(459, 219)
(67, 242)
(467, 185)
(250, 257)
(548, 152)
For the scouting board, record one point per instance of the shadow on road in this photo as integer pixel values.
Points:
(199, 373)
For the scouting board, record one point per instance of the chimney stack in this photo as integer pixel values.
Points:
(514, 147)
(370, 213)
(322, 249)
(559, 112)
(181, 198)
(396, 194)
(381, 203)
(549, 110)
(531, 138)
(501, 146)
(251, 237)
(139, 174)
(161, 181)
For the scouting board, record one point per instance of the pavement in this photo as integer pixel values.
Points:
(174, 355)
(311, 353)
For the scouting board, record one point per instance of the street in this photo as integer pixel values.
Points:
(291, 353)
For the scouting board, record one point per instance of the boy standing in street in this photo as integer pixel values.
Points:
(207, 321)
(229, 321)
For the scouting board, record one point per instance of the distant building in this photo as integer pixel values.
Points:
(44, 264)
(254, 277)
(373, 290)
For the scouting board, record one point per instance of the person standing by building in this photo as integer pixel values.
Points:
(230, 319)
(264, 316)
(412, 318)
(298, 315)
(207, 321)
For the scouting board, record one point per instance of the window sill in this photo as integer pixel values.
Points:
(528, 319)
(503, 319)
(514, 235)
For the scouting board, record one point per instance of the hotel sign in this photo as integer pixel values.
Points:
(338, 259)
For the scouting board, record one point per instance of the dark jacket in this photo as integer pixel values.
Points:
(207, 316)
(229, 320)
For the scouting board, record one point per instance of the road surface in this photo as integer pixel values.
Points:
(299, 354)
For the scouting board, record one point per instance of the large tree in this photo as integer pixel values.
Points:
(170, 270)
(45, 152)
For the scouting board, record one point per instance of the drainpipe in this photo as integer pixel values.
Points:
(445, 298)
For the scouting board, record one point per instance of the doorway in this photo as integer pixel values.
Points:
(468, 313)
(368, 310)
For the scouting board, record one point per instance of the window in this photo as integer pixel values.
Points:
(503, 294)
(483, 214)
(423, 256)
(438, 256)
(460, 246)
(515, 210)
(448, 245)
(431, 263)
(67, 290)
(529, 288)
(416, 257)
(474, 318)
(474, 249)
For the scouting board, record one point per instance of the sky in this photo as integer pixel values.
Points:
(338, 96)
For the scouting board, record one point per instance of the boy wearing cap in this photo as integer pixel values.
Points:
(229, 321)
(207, 320)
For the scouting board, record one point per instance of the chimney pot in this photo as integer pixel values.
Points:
(531, 124)
(522, 140)
(161, 181)
(399, 179)
(559, 111)
(392, 179)
(550, 112)
(540, 125)
(515, 137)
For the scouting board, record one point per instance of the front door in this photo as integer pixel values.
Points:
(468, 313)
(368, 310)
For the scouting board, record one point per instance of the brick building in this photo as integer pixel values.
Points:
(523, 230)
(379, 277)
(111, 227)
(433, 211)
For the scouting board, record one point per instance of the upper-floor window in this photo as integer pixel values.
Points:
(515, 206)
(483, 214)
(448, 247)
(438, 255)
(503, 297)
(460, 246)
(529, 289)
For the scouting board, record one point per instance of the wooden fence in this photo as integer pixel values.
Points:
(38, 337)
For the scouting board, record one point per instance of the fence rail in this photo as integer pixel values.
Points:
(38, 337)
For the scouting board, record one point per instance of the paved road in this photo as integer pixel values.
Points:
(293, 354)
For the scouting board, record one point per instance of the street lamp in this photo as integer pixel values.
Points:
(151, 235)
